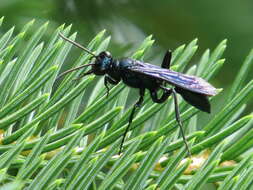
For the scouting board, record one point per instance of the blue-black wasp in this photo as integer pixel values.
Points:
(145, 76)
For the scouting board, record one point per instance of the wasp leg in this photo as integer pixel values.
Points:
(110, 80)
(166, 94)
(177, 113)
(167, 60)
(136, 105)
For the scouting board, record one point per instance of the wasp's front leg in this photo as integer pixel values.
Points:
(110, 80)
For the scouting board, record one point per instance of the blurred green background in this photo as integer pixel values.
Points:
(129, 21)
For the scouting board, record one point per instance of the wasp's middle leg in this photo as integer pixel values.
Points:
(136, 105)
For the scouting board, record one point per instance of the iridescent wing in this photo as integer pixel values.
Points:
(188, 82)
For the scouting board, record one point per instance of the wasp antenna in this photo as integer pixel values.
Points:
(74, 69)
(77, 44)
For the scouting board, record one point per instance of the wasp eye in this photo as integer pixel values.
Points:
(105, 54)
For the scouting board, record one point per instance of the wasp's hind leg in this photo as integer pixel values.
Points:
(166, 94)
(177, 113)
(167, 60)
(110, 80)
(136, 105)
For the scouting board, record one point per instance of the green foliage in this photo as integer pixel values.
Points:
(50, 139)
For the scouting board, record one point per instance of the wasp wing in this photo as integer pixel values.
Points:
(188, 82)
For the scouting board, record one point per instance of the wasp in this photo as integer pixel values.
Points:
(145, 76)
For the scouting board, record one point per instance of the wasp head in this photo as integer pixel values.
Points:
(102, 63)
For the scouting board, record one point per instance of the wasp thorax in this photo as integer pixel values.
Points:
(102, 63)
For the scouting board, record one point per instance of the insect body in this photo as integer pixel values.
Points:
(145, 76)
